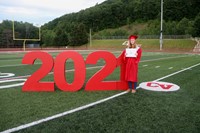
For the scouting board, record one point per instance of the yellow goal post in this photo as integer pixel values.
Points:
(25, 39)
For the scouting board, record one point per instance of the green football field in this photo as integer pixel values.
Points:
(81, 111)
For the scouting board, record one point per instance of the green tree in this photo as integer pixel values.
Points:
(61, 37)
(120, 32)
(48, 37)
(190, 30)
(197, 26)
(182, 26)
(78, 36)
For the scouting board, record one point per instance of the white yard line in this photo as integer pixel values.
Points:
(140, 61)
(86, 68)
(84, 107)
(43, 50)
(170, 68)
(19, 59)
(25, 76)
(177, 72)
(165, 58)
(145, 65)
(17, 65)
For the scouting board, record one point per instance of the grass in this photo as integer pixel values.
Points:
(145, 111)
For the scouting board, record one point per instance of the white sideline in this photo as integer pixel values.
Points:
(140, 61)
(83, 107)
(177, 72)
(25, 76)
(94, 67)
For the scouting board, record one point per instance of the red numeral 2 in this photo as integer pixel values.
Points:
(94, 83)
(33, 84)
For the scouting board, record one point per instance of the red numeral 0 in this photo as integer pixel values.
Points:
(79, 71)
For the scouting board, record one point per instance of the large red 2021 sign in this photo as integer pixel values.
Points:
(95, 82)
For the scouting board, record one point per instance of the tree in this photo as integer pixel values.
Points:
(197, 26)
(61, 37)
(182, 26)
(78, 36)
(48, 37)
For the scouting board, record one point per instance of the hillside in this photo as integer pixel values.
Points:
(169, 45)
(113, 14)
(115, 18)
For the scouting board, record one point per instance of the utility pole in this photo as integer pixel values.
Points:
(161, 26)
(90, 37)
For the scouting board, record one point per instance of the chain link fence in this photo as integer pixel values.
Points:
(144, 37)
(9, 43)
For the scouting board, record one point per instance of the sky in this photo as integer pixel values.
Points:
(40, 12)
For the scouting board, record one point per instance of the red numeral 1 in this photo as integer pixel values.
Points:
(122, 84)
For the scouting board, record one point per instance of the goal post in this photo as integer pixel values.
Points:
(25, 39)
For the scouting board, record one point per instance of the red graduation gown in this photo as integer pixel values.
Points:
(131, 66)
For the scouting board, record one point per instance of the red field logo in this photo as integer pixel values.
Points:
(159, 86)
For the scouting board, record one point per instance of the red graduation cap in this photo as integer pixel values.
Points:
(132, 37)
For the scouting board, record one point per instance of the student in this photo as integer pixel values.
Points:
(132, 56)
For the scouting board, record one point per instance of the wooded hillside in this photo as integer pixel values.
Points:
(181, 17)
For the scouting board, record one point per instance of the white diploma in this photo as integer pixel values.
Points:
(131, 52)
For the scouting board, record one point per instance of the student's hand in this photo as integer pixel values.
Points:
(136, 54)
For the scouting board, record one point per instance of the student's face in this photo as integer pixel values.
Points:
(132, 41)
